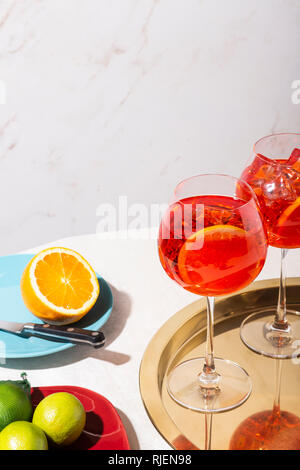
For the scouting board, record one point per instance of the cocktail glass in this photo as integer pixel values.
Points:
(212, 242)
(274, 175)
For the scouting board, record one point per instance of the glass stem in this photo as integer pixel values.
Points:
(276, 407)
(280, 321)
(208, 430)
(208, 378)
(209, 351)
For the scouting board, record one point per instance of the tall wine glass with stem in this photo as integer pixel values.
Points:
(274, 175)
(212, 242)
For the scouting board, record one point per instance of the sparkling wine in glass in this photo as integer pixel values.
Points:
(212, 242)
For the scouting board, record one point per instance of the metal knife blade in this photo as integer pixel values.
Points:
(12, 327)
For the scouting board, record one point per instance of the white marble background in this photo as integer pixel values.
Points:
(110, 97)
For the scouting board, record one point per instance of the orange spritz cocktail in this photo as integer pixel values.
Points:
(276, 183)
(216, 244)
(212, 241)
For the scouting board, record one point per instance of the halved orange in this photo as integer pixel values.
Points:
(206, 254)
(59, 286)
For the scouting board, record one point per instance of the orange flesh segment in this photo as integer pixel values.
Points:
(64, 280)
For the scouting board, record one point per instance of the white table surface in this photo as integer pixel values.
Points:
(144, 298)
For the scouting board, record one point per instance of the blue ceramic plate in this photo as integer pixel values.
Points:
(12, 308)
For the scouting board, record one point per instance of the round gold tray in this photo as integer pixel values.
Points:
(183, 337)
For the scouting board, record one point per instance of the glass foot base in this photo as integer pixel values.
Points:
(258, 334)
(233, 388)
(267, 430)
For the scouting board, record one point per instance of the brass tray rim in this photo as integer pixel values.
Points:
(151, 396)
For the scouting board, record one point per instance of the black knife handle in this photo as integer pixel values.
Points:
(68, 333)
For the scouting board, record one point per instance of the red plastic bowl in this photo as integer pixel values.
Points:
(104, 429)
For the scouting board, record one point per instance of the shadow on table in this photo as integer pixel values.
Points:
(112, 329)
(130, 431)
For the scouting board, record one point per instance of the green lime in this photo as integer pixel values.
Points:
(15, 404)
(61, 416)
(22, 435)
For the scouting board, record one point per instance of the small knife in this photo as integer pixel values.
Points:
(67, 333)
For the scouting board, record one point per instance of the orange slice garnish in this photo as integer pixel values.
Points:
(288, 225)
(59, 286)
(210, 246)
(296, 166)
